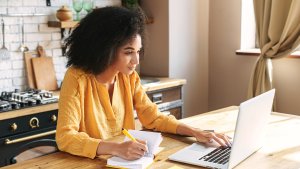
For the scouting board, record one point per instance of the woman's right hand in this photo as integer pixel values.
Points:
(131, 150)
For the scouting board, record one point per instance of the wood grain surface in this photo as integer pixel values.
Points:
(281, 150)
(29, 69)
(44, 71)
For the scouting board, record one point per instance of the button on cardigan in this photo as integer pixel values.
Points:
(86, 115)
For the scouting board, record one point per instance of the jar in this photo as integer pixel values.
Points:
(64, 14)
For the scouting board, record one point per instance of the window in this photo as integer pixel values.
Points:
(249, 43)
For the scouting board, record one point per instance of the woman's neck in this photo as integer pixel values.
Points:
(107, 77)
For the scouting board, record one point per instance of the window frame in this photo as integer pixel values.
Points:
(248, 44)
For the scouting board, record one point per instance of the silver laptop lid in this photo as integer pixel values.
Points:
(251, 125)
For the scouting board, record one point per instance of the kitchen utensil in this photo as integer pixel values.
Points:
(4, 53)
(29, 69)
(23, 47)
(44, 71)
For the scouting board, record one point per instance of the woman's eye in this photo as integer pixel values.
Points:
(129, 52)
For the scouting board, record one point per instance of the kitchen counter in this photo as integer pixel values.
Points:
(163, 83)
(280, 151)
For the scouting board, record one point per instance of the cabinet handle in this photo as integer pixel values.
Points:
(8, 141)
(14, 127)
(157, 98)
(53, 118)
(34, 122)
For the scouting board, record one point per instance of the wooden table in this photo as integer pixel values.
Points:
(282, 148)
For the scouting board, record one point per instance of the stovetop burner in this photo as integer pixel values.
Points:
(16, 99)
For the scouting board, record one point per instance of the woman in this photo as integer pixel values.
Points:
(101, 89)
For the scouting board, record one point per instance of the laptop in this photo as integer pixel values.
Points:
(248, 137)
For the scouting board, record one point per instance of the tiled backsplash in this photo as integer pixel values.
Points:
(36, 31)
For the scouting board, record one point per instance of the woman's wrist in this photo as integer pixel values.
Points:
(107, 147)
(184, 129)
(195, 131)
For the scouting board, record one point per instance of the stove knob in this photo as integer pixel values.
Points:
(53, 118)
(14, 127)
(31, 102)
(38, 101)
(15, 105)
(24, 104)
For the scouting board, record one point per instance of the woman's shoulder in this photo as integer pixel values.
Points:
(75, 72)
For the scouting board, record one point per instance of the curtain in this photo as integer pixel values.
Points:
(278, 30)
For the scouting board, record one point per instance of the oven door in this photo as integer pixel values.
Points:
(25, 134)
(18, 147)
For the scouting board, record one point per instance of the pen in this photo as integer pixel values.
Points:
(126, 133)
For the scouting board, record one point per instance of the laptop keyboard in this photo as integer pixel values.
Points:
(220, 155)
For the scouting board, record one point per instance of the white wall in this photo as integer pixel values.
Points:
(228, 73)
(188, 47)
(12, 72)
(178, 47)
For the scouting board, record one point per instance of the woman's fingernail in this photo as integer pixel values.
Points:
(211, 140)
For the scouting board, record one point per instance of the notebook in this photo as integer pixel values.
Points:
(248, 137)
(153, 141)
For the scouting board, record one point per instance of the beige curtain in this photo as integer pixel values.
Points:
(278, 30)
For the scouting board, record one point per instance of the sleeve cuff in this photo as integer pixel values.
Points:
(172, 125)
(90, 149)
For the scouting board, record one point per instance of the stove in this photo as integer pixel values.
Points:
(24, 131)
(15, 100)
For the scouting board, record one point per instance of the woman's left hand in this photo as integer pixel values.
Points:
(209, 136)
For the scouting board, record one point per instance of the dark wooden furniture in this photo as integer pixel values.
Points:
(25, 129)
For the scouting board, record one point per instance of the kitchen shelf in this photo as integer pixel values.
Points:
(63, 24)
(72, 24)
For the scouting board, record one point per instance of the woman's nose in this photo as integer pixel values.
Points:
(136, 59)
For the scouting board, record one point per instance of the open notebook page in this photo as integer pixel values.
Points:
(153, 140)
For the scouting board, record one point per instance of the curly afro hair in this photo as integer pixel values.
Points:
(93, 44)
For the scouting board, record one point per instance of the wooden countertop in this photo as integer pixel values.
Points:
(281, 150)
(162, 84)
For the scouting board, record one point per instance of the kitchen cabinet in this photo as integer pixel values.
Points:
(25, 129)
(168, 100)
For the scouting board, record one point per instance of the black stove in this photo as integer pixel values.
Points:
(17, 99)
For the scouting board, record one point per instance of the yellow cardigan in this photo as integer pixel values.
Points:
(86, 114)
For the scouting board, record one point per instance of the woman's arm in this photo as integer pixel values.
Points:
(203, 136)
(68, 136)
(147, 111)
